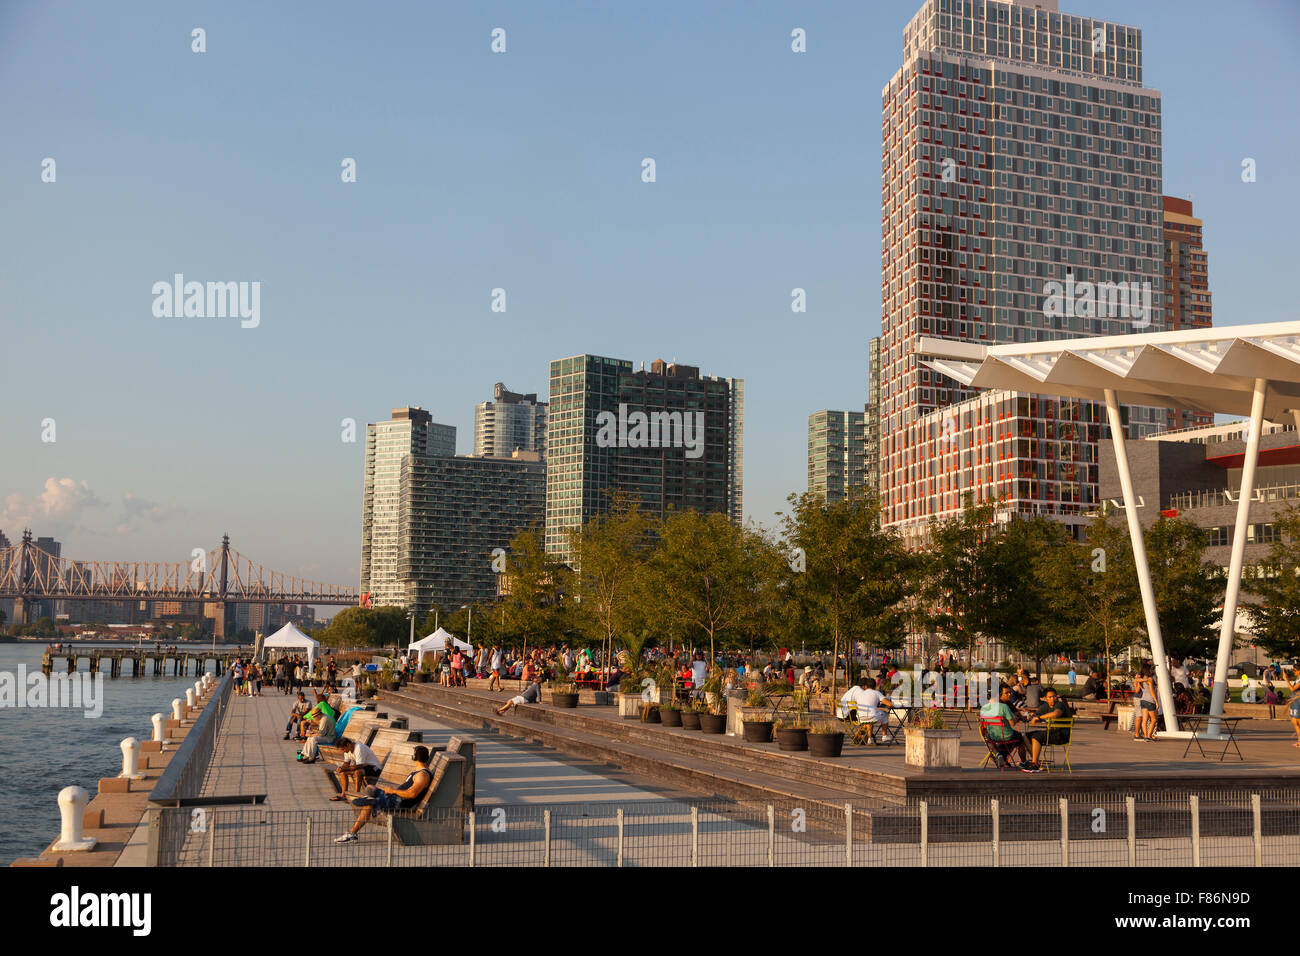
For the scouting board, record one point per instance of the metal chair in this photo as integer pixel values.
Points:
(1002, 753)
(1047, 755)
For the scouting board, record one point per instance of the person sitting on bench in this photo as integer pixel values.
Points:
(295, 717)
(321, 733)
(405, 797)
(531, 695)
(359, 762)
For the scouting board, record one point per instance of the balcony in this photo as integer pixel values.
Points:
(1191, 500)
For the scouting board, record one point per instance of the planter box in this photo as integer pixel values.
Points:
(629, 705)
(670, 717)
(790, 738)
(826, 745)
(738, 713)
(932, 749)
(1125, 718)
(757, 731)
(565, 701)
(690, 719)
(713, 723)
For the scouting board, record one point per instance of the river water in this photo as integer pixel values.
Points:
(44, 749)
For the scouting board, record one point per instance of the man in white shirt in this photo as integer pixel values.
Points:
(359, 762)
(871, 705)
(1178, 673)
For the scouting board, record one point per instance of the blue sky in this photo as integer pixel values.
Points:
(477, 171)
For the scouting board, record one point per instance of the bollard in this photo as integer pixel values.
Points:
(72, 804)
(189, 697)
(131, 759)
(158, 731)
(198, 689)
(176, 709)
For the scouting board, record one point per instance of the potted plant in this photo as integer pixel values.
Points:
(713, 720)
(930, 745)
(791, 732)
(691, 715)
(826, 738)
(650, 713)
(670, 713)
(388, 676)
(757, 727)
(426, 672)
(628, 697)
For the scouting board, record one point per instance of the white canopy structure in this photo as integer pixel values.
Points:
(1244, 370)
(289, 638)
(436, 642)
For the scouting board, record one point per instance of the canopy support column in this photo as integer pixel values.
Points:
(1163, 685)
(1232, 592)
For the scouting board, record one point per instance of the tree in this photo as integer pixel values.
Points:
(855, 574)
(958, 575)
(609, 554)
(1274, 603)
(1093, 592)
(1020, 591)
(706, 570)
(1188, 589)
(366, 627)
(536, 585)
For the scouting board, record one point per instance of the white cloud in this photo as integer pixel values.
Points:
(56, 510)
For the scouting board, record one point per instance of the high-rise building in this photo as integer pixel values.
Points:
(1021, 162)
(663, 436)
(836, 459)
(454, 515)
(511, 422)
(1187, 286)
(736, 445)
(411, 431)
(871, 424)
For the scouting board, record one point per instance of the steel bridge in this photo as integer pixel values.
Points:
(220, 575)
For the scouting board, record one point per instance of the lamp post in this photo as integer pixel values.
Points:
(469, 628)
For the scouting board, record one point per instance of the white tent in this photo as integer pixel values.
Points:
(436, 642)
(289, 638)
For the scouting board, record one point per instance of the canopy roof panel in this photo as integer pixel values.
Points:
(1208, 370)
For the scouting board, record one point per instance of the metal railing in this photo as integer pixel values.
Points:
(1212, 828)
(182, 781)
(1190, 500)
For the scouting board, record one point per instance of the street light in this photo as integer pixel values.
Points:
(469, 628)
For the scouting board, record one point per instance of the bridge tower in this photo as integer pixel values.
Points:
(25, 570)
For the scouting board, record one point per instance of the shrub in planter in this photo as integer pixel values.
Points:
(691, 716)
(930, 745)
(425, 674)
(650, 713)
(826, 739)
(564, 694)
(757, 729)
(791, 733)
(670, 713)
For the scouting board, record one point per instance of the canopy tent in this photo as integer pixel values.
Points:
(289, 638)
(436, 642)
(1246, 369)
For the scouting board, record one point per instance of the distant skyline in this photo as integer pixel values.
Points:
(479, 171)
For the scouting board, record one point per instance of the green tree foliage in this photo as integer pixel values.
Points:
(1020, 590)
(366, 627)
(1274, 602)
(960, 572)
(1093, 591)
(855, 575)
(537, 585)
(706, 572)
(609, 556)
(1188, 589)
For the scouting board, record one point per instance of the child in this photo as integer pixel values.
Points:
(1270, 696)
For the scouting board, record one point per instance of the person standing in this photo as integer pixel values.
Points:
(494, 665)
(1072, 677)
(1293, 708)
(1144, 717)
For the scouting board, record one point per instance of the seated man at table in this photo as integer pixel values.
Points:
(1051, 706)
(872, 706)
(1004, 735)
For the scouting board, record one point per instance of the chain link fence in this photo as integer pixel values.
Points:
(1213, 828)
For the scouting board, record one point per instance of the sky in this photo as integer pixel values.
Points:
(477, 171)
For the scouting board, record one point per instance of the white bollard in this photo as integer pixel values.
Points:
(198, 689)
(189, 697)
(158, 730)
(131, 759)
(176, 708)
(72, 804)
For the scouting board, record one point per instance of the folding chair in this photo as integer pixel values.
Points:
(1002, 753)
(858, 732)
(1047, 755)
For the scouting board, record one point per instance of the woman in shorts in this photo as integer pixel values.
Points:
(1293, 708)
(1144, 716)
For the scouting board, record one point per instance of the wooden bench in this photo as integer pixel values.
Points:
(360, 727)
(439, 817)
(381, 742)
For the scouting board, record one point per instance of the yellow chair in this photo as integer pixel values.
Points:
(1047, 756)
